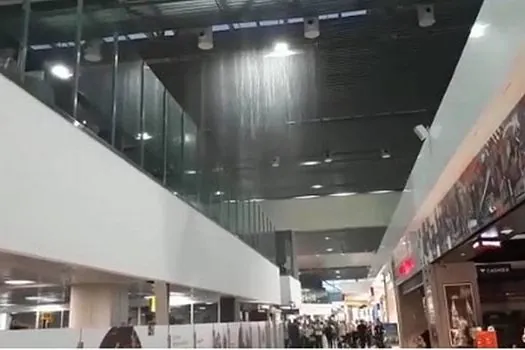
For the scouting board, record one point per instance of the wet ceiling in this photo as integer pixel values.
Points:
(353, 95)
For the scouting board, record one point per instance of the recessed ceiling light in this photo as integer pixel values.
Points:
(329, 249)
(310, 196)
(478, 30)
(143, 136)
(43, 299)
(310, 163)
(337, 276)
(317, 186)
(18, 282)
(507, 231)
(337, 271)
(343, 194)
(327, 238)
(219, 193)
(61, 71)
(190, 172)
(281, 49)
(380, 192)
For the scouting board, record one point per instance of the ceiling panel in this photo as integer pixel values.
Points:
(343, 273)
(352, 240)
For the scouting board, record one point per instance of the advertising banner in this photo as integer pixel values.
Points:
(491, 185)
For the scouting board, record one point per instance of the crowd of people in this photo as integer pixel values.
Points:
(308, 332)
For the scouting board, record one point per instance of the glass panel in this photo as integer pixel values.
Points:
(122, 102)
(152, 135)
(175, 139)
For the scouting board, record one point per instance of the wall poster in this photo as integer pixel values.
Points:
(459, 303)
(491, 185)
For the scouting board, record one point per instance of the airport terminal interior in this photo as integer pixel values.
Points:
(262, 173)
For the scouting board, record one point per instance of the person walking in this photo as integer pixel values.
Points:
(318, 334)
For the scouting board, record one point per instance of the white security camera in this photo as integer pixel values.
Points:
(421, 131)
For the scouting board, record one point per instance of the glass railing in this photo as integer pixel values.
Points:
(107, 90)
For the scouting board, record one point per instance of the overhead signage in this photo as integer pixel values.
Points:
(496, 269)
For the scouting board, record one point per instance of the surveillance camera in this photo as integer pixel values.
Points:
(421, 131)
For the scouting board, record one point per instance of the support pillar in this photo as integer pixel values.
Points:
(452, 301)
(230, 310)
(98, 305)
(162, 300)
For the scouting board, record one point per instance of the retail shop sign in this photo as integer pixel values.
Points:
(492, 270)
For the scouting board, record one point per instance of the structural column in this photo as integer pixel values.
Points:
(451, 302)
(229, 310)
(98, 305)
(161, 305)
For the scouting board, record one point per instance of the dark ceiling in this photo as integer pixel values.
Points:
(354, 93)
(344, 241)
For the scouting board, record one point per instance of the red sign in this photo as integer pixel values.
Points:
(406, 267)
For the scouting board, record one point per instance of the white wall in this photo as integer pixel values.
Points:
(291, 291)
(65, 197)
(483, 89)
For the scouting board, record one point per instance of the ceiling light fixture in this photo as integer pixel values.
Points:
(281, 49)
(478, 30)
(205, 41)
(61, 71)
(385, 154)
(190, 172)
(42, 299)
(316, 187)
(329, 249)
(310, 196)
(276, 162)
(18, 282)
(219, 193)
(425, 15)
(327, 238)
(328, 158)
(337, 271)
(143, 136)
(311, 28)
(310, 163)
(343, 194)
(380, 192)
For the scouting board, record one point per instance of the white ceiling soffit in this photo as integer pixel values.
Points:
(332, 261)
(359, 289)
(483, 90)
(329, 213)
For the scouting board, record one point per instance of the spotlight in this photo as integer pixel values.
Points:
(281, 49)
(421, 131)
(276, 162)
(206, 39)
(425, 15)
(311, 28)
(385, 154)
(61, 71)
(93, 51)
(328, 158)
